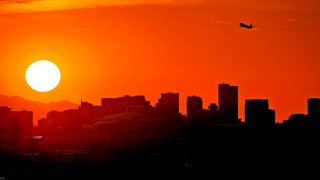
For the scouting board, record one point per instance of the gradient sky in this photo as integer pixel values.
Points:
(109, 48)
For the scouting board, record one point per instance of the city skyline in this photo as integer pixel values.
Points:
(182, 104)
(160, 47)
(256, 110)
(96, 89)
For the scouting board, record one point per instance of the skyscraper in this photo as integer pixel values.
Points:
(228, 103)
(257, 112)
(5, 117)
(22, 121)
(168, 104)
(314, 109)
(194, 107)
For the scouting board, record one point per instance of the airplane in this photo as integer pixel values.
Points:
(246, 26)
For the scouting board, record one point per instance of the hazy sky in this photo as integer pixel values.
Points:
(46, 5)
(111, 48)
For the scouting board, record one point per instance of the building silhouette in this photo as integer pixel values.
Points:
(5, 116)
(297, 120)
(257, 112)
(314, 109)
(55, 120)
(168, 104)
(43, 125)
(194, 107)
(18, 121)
(22, 121)
(125, 104)
(228, 103)
(72, 120)
(87, 112)
(213, 107)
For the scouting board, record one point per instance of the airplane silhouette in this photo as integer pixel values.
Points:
(246, 26)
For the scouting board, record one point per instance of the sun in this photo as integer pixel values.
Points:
(43, 76)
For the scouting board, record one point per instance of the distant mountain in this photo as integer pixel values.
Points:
(39, 109)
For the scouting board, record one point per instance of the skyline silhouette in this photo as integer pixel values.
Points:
(17, 103)
(127, 134)
(257, 111)
(167, 48)
(163, 88)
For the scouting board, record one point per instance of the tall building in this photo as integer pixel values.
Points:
(257, 112)
(168, 104)
(71, 121)
(55, 120)
(19, 121)
(86, 111)
(228, 103)
(126, 104)
(5, 117)
(194, 107)
(108, 105)
(43, 125)
(314, 109)
(22, 121)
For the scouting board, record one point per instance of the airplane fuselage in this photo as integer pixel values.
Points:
(246, 26)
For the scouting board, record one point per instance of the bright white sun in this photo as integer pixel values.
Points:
(43, 75)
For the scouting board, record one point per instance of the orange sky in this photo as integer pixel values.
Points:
(108, 49)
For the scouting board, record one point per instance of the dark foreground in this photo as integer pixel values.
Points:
(198, 150)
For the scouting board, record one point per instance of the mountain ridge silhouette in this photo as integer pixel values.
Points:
(40, 109)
